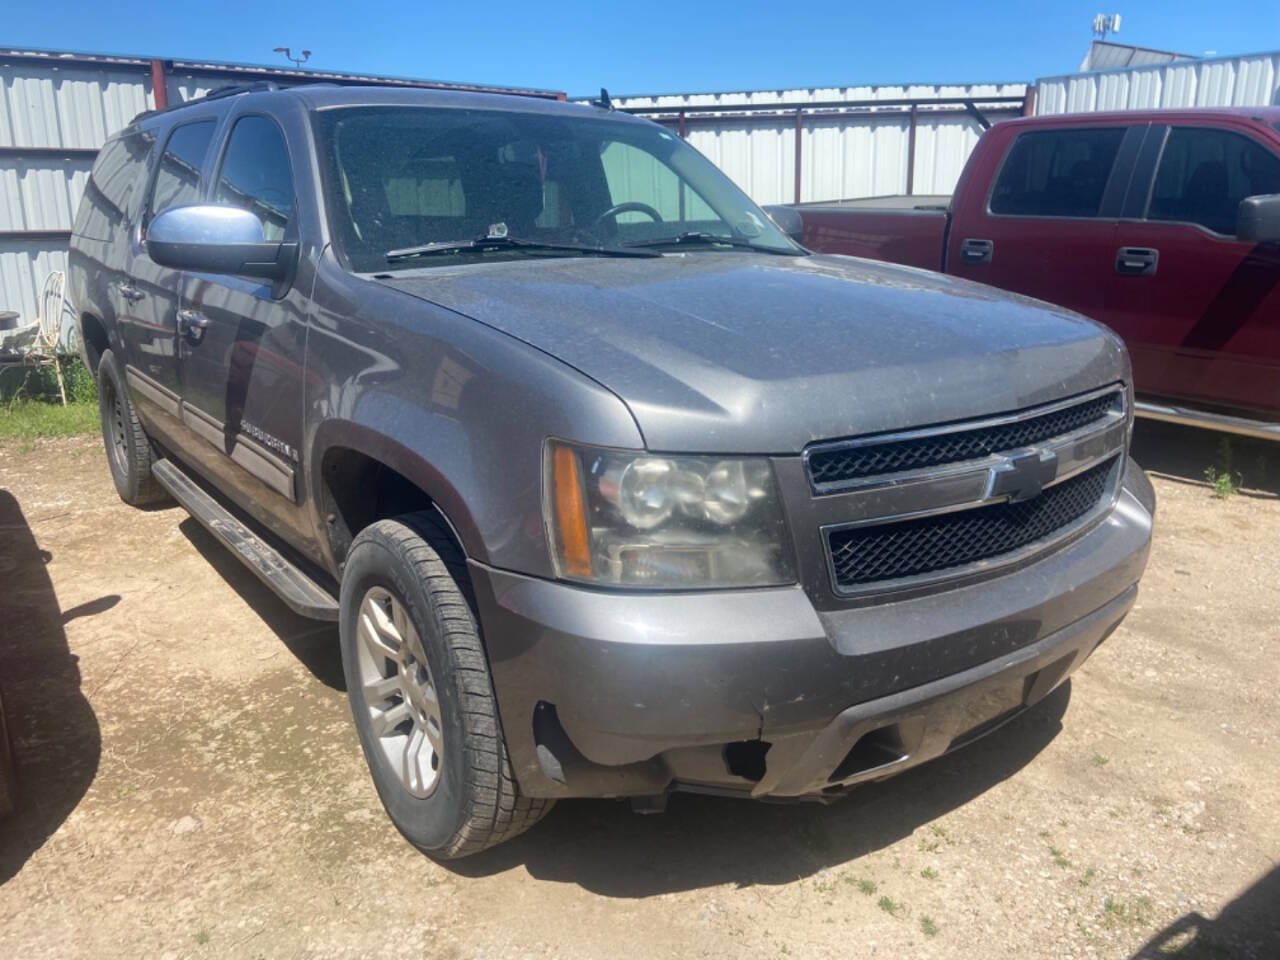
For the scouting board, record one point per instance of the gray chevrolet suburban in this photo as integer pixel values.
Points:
(611, 488)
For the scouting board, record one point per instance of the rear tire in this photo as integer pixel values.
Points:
(421, 693)
(130, 453)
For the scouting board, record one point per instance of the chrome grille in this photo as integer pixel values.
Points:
(908, 548)
(834, 465)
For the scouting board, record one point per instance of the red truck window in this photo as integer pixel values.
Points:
(1056, 173)
(1204, 174)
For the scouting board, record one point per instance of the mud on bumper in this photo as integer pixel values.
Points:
(759, 693)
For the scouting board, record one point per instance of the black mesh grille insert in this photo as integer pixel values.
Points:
(866, 555)
(838, 465)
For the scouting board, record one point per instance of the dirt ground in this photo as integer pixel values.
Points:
(192, 786)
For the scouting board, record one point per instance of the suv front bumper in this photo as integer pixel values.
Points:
(757, 692)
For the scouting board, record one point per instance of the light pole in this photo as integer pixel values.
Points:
(297, 61)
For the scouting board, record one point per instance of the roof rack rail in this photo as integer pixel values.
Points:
(217, 93)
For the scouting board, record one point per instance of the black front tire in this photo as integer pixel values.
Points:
(130, 453)
(474, 803)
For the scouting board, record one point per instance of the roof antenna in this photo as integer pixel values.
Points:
(604, 101)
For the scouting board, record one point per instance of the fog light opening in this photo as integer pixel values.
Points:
(745, 758)
(879, 748)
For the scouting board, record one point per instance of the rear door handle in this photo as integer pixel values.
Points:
(1137, 261)
(976, 251)
(191, 324)
(130, 292)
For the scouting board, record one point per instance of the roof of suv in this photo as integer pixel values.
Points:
(322, 96)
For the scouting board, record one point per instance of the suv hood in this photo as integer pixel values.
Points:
(719, 352)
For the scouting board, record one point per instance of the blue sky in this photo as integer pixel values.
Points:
(659, 46)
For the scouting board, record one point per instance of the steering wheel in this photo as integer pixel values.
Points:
(631, 206)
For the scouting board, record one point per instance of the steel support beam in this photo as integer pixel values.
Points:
(159, 85)
(911, 153)
(799, 129)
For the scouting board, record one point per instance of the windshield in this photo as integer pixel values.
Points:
(402, 177)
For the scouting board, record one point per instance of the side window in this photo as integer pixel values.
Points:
(1204, 174)
(1056, 173)
(256, 176)
(178, 179)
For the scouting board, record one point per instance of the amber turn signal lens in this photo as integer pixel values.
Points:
(571, 513)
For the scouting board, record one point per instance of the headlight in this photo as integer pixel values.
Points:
(638, 520)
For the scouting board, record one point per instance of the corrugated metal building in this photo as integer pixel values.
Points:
(57, 109)
(1251, 80)
(785, 146)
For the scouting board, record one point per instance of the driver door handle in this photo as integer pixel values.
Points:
(976, 251)
(131, 293)
(191, 325)
(1137, 261)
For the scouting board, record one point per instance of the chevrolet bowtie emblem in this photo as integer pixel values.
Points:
(1024, 476)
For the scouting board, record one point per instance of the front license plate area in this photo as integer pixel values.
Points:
(988, 710)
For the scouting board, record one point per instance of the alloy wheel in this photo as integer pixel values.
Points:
(399, 692)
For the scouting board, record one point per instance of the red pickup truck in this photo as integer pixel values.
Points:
(1164, 225)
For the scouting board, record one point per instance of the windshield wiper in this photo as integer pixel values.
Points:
(700, 238)
(483, 244)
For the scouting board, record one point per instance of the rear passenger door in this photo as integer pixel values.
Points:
(147, 307)
(1203, 320)
(242, 340)
(1046, 228)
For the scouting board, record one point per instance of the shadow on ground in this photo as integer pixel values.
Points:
(706, 841)
(1247, 928)
(55, 735)
(1184, 453)
(313, 642)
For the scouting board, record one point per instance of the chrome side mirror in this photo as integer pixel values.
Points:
(214, 239)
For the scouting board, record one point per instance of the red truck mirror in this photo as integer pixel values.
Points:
(1258, 219)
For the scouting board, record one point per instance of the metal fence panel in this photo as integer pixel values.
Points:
(68, 105)
(1251, 80)
(842, 155)
(24, 265)
(41, 192)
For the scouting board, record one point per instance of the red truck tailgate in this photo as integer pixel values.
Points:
(912, 236)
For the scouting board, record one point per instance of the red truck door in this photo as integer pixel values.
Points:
(1047, 226)
(1199, 310)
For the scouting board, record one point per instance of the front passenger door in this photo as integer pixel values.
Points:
(241, 343)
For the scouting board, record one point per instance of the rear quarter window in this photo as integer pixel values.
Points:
(113, 184)
(1056, 173)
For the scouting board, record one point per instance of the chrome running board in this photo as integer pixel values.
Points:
(302, 594)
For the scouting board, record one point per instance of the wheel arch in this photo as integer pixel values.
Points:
(94, 341)
(360, 476)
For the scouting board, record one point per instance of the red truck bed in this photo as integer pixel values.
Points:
(910, 230)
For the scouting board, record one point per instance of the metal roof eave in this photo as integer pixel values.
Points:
(261, 71)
